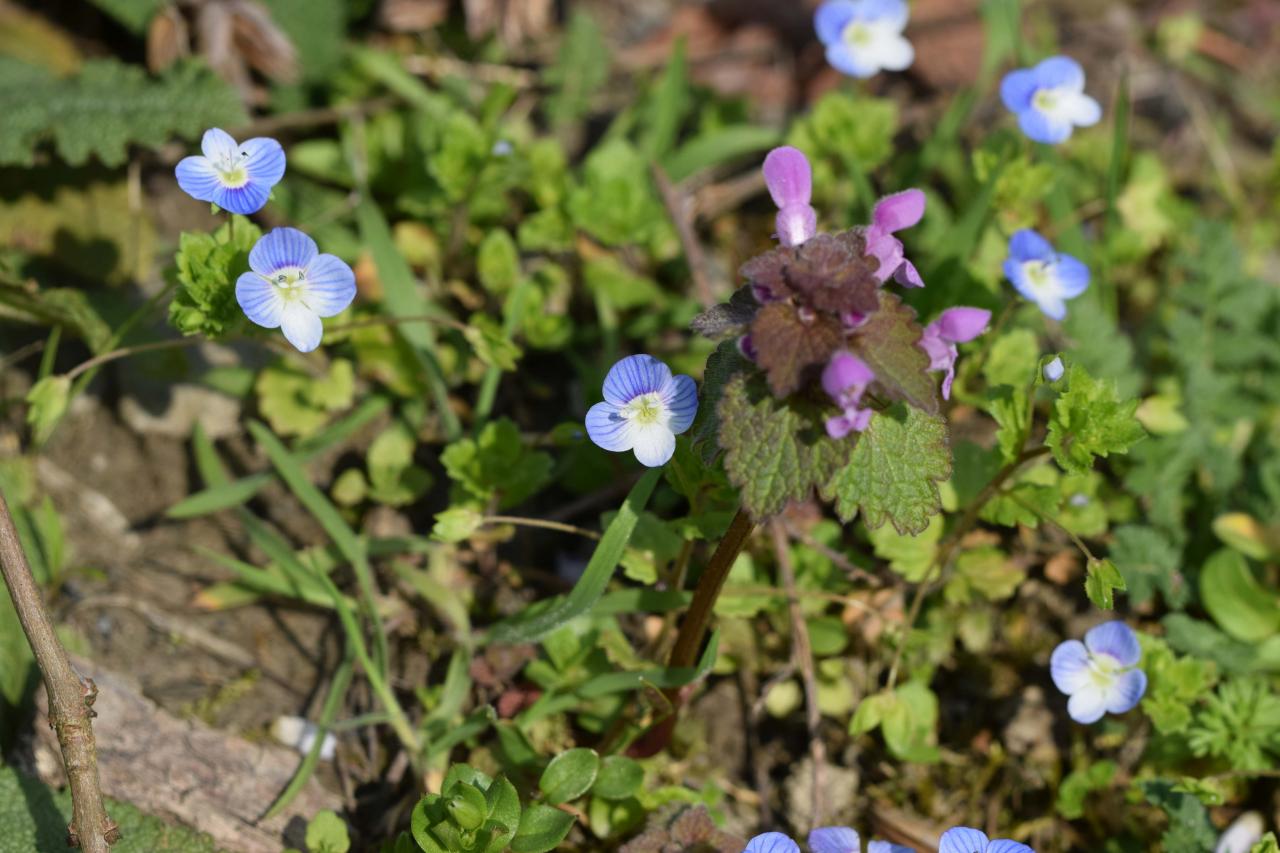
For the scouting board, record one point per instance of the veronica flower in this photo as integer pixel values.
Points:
(790, 182)
(953, 326)
(962, 839)
(1100, 674)
(1049, 99)
(864, 37)
(292, 286)
(894, 213)
(1053, 370)
(1046, 277)
(845, 379)
(235, 177)
(842, 839)
(644, 409)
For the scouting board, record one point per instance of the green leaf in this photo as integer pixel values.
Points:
(457, 524)
(620, 777)
(207, 268)
(983, 571)
(497, 464)
(910, 555)
(716, 146)
(106, 106)
(1148, 562)
(1079, 784)
(581, 67)
(544, 617)
(889, 343)
(393, 478)
(894, 472)
(1101, 583)
(48, 401)
(1237, 602)
(775, 452)
(135, 15)
(569, 775)
(722, 365)
(666, 106)
(910, 723)
(1090, 420)
(1190, 830)
(1011, 409)
(1012, 360)
(542, 828)
(296, 403)
(327, 833)
(498, 262)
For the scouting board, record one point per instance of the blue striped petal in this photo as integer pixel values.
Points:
(264, 162)
(197, 177)
(301, 326)
(963, 839)
(608, 429)
(1127, 691)
(1028, 245)
(1073, 276)
(281, 248)
(218, 145)
(1069, 666)
(680, 396)
(633, 376)
(330, 285)
(772, 842)
(834, 839)
(1115, 639)
(243, 200)
(1006, 845)
(259, 299)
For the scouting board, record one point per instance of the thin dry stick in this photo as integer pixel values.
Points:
(680, 209)
(70, 698)
(802, 651)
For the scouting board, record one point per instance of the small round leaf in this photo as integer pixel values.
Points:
(569, 775)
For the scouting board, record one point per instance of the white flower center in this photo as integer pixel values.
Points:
(290, 282)
(858, 34)
(645, 410)
(1054, 102)
(1103, 670)
(231, 169)
(1042, 276)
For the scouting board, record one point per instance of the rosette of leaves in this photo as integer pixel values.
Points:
(472, 814)
(767, 414)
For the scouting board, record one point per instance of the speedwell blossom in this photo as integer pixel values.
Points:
(790, 182)
(235, 176)
(953, 326)
(894, 213)
(1053, 370)
(1100, 674)
(292, 286)
(864, 37)
(824, 839)
(845, 379)
(1046, 277)
(963, 839)
(1049, 99)
(644, 409)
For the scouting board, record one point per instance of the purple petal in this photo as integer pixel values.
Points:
(1116, 640)
(796, 223)
(959, 325)
(853, 419)
(633, 376)
(1127, 691)
(259, 299)
(788, 177)
(680, 396)
(1069, 666)
(834, 839)
(1006, 845)
(1028, 245)
(907, 276)
(1053, 370)
(1088, 704)
(898, 211)
(962, 839)
(1059, 72)
(941, 353)
(301, 326)
(197, 177)
(887, 250)
(330, 284)
(831, 19)
(843, 372)
(265, 161)
(218, 145)
(1017, 89)
(607, 429)
(282, 248)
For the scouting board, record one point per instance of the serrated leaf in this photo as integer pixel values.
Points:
(727, 318)
(790, 341)
(1102, 582)
(491, 343)
(775, 452)
(207, 268)
(497, 464)
(498, 261)
(894, 471)
(1149, 561)
(889, 343)
(1011, 409)
(722, 365)
(1091, 420)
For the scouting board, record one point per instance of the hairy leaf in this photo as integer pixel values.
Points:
(827, 273)
(722, 365)
(889, 343)
(727, 318)
(789, 341)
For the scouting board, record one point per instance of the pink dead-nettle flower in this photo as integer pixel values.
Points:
(845, 379)
(790, 182)
(953, 326)
(894, 213)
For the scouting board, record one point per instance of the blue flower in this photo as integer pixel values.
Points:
(1053, 370)
(1100, 674)
(1049, 99)
(644, 409)
(235, 177)
(1042, 275)
(292, 286)
(771, 842)
(864, 37)
(962, 839)
(824, 839)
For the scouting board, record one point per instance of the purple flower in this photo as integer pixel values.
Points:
(790, 182)
(962, 839)
(235, 177)
(864, 37)
(845, 379)
(1042, 275)
(771, 842)
(894, 213)
(1100, 674)
(953, 326)
(842, 839)
(1049, 99)
(292, 286)
(644, 409)
(1053, 370)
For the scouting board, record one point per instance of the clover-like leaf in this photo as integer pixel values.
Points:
(790, 340)
(775, 452)
(889, 343)
(894, 471)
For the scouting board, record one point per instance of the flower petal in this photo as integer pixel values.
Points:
(834, 839)
(218, 145)
(1007, 845)
(1088, 704)
(1042, 127)
(608, 429)
(197, 177)
(898, 211)
(330, 285)
(856, 63)
(796, 223)
(788, 176)
(243, 200)
(265, 161)
(1069, 666)
(1082, 110)
(962, 324)
(891, 51)
(843, 372)
(889, 13)
(1017, 88)
(301, 326)
(831, 19)
(1127, 691)
(633, 376)
(1059, 71)
(1073, 276)
(1053, 370)
(1028, 245)
(888, 847)
(654, 443)
(281, 248)
(680, 396)
(259, 299)
(772, 842)
(1116, 640)
(907, 276)
(962, 839)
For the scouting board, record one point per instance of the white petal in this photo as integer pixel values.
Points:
(1082, 110)
(1088, 704)
(891, 51)
(1069, 666)
(654, 444)
(301, 326)
(330, 285)
(218, 145)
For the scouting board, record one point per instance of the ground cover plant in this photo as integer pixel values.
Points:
(522, 426)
